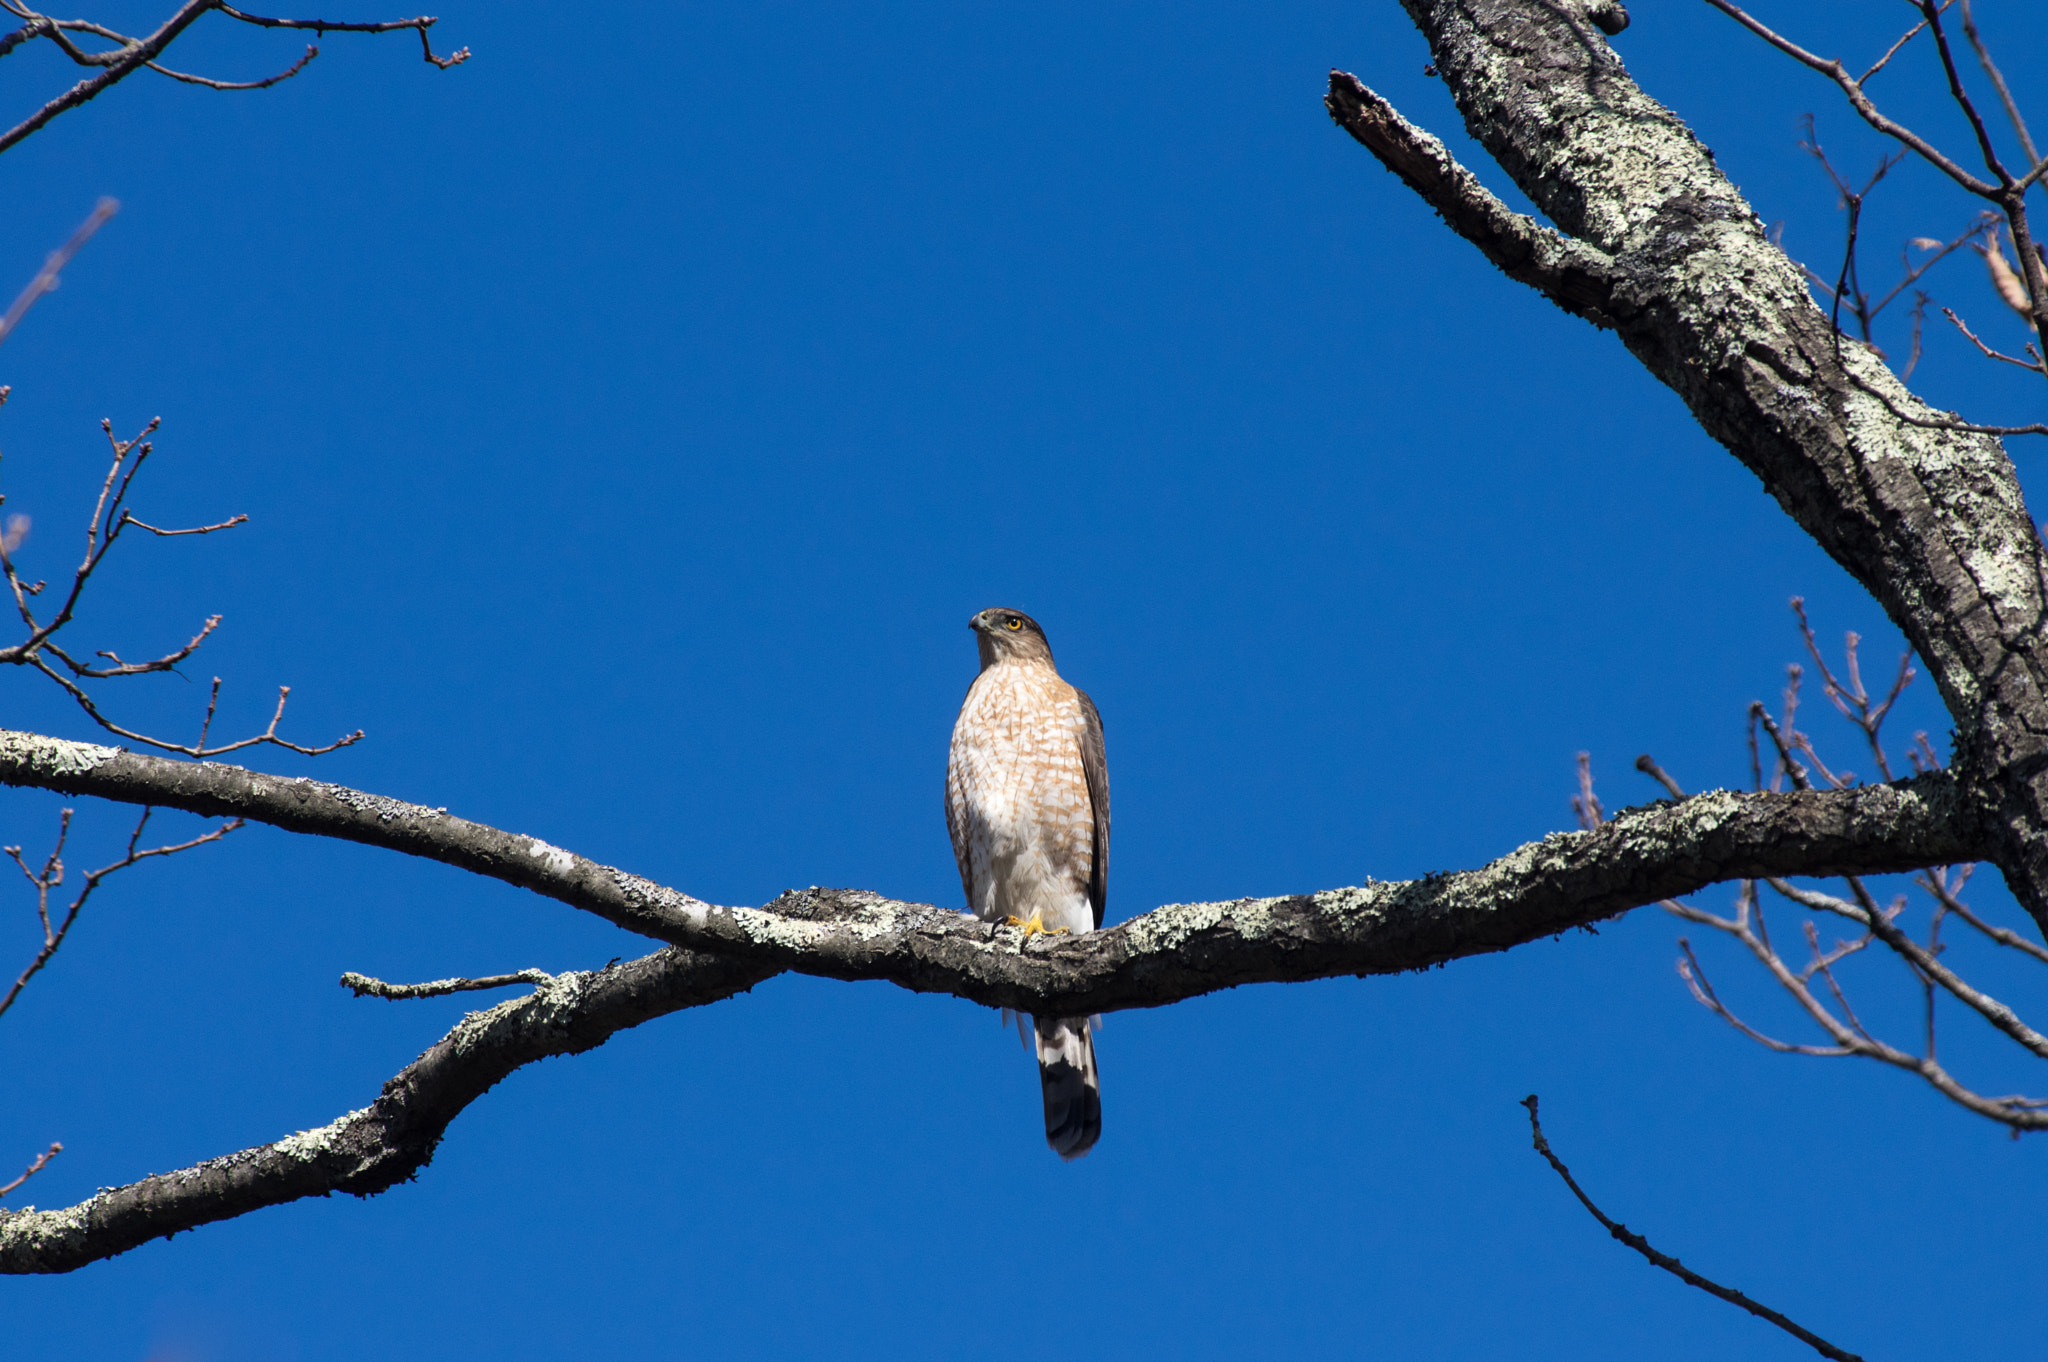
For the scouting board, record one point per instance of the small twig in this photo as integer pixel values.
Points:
(1670, 1264)
(1824, 964)
(1585, 803)
(46, 278)
(1919, 315)
(2012, 108)
(1859, 101)
(42, 1161)
(1695, 976)
(110, 517)
(1986, 350)
(264, 84)
(168, 662)
(129, 518)
(1945, 894)
(1758, 714)
(212, 703)
(1649, 767)
(52, 875)
(1893, 50)
(365, 986)
(420, 25)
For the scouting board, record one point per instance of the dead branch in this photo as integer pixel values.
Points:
(364, 986)
(1664, 1260)
(132, 54)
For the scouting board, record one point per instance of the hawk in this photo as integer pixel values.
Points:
(1027, 804)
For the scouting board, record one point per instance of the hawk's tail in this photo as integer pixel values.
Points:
(1073, 1094)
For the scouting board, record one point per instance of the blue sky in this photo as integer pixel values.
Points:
(629, 421)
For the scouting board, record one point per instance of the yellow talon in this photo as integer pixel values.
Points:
(1035, 927)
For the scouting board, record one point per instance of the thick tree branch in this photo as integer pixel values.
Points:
(1927, 516)
(1572, 274)
(1179, 951)
(395, 1136)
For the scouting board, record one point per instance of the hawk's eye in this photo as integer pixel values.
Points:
(1013, 623)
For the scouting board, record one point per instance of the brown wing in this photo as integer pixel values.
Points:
(1095, 766)
(956, 828)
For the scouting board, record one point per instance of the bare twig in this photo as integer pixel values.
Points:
(2001, 188)
(110, 516)
(1586, 804)
(364, 985)
(1666, 1261)
(1935, 883)
(264, 84)
(1893, 50)
(1649, 767)
(46, 278)
(128, 517)
(1844, 1029)
(132, 54)
(1847, 285)
(52, 875)
(419, 25)
(1835, 71)
(1986, 350)
(2012, 109)
(42, 1161)
(1954, 423)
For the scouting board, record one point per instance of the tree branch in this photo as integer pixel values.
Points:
(364, 986)
(133, 54)
(1930, 519)
(390, 1140)
(42, 1161)
(1575, 276)
(1179, 951)
(129, 60)
(1664, 1260)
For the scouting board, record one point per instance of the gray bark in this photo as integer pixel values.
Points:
(1179, 951)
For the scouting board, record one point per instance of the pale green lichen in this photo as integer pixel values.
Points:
(310, 1145)
(385, 809)
(52, 756)
(1166, 929)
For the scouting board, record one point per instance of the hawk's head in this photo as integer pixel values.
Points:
(1009, 636)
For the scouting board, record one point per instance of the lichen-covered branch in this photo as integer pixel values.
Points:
(1179, 951)
(1577, 277)
(388, 1141)
(1927, 515)
(1568, 879)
